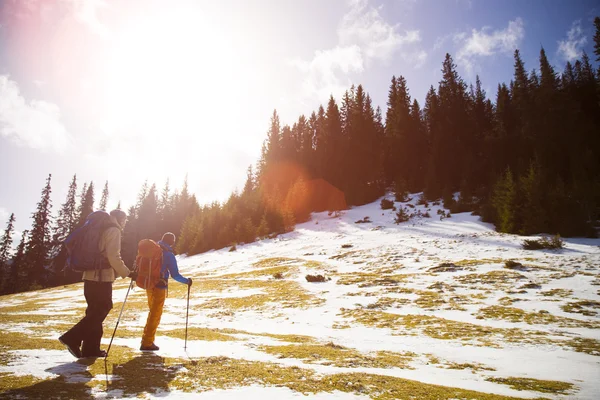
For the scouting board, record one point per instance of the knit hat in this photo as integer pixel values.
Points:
(120, 216)
(168, 238)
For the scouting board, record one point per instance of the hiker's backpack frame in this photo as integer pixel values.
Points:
(148, 264)
(83, 244)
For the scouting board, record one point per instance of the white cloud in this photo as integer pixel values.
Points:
(35, 124)
(364, 26)
(571, 48)
(485, 43)
(364, 37)
(327, 72)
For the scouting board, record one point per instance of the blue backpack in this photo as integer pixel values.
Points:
(83, 250)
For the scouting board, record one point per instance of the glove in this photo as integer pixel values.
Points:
(133, 275)
(189, 281)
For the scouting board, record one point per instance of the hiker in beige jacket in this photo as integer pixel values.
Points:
(97, 290)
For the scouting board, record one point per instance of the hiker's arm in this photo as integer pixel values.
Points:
(113, 252)
(173, 270)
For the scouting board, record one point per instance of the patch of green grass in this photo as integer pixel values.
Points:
(282, 269)
(507, 301)
(468, 263)
(386, 302)
(585, 307)
(498, 278)
(562, 293)
(223, 373)
(441, 328)
(513, 314)
(330, 354)
(537, 385)
(369, 279)
(584, 345)
(474, 367)
(277, 294)
(195, 333)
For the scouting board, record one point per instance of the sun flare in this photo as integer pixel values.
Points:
(166, 72)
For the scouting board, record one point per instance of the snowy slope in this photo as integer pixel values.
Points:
(429, 300)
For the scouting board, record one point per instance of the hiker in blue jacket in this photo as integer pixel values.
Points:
(157, 295)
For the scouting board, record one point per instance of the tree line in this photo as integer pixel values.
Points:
(529, 162)
(39, 259)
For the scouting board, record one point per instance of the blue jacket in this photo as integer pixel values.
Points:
(169, 267)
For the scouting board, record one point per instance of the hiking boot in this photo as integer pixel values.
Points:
(95, 354)
(152, 347)
(71, 346)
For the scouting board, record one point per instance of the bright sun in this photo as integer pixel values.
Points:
(165, 70)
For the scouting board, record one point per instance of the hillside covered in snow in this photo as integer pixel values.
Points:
(432, 308)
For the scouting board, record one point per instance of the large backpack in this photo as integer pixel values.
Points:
(83, 244)
(148, 263)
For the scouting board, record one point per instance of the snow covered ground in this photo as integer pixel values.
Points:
(423, 309)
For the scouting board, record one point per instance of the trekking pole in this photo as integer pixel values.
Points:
(187, 312)
(118, 319)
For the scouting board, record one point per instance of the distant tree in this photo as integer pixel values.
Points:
(18, 269)
(104, 198)
(597, 38)
(67, 218)
(504, 200)
(87, 204)
(38, 244)
(6, 248)
(249, 186)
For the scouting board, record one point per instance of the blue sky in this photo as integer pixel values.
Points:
(128, 91)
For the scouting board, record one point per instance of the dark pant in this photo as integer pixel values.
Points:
(88, 331)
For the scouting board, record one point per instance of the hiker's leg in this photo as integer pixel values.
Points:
(100, 304)
(79, 331)
(156, 301)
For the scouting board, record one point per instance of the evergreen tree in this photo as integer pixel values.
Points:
(5, 248)
(597, 38)
(271, 146)
(87, 206)
(335, 146)
(104, 198)
(16, 277)
(82, 195)
(164, 209)
(398, 128)
(67, 216)
(504, 201)
(38, 244)
(249, 185)
(142, 196)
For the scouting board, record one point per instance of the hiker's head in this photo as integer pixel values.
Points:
(168, 238)
(120, 216)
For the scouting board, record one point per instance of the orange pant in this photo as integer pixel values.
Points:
(156, 300)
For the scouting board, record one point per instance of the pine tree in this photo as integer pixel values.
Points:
(597, 38)
(335, 146)
(5, 248)
(142, 196)
(87, 204)
(104, 198)
(81, 202)
(18, 268)
(65, 223)
(504, 202)
(397, 131)
(271, 147)
(147, 215)
(38, 244)
(249, 185)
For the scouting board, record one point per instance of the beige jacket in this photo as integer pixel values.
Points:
(110, 245)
